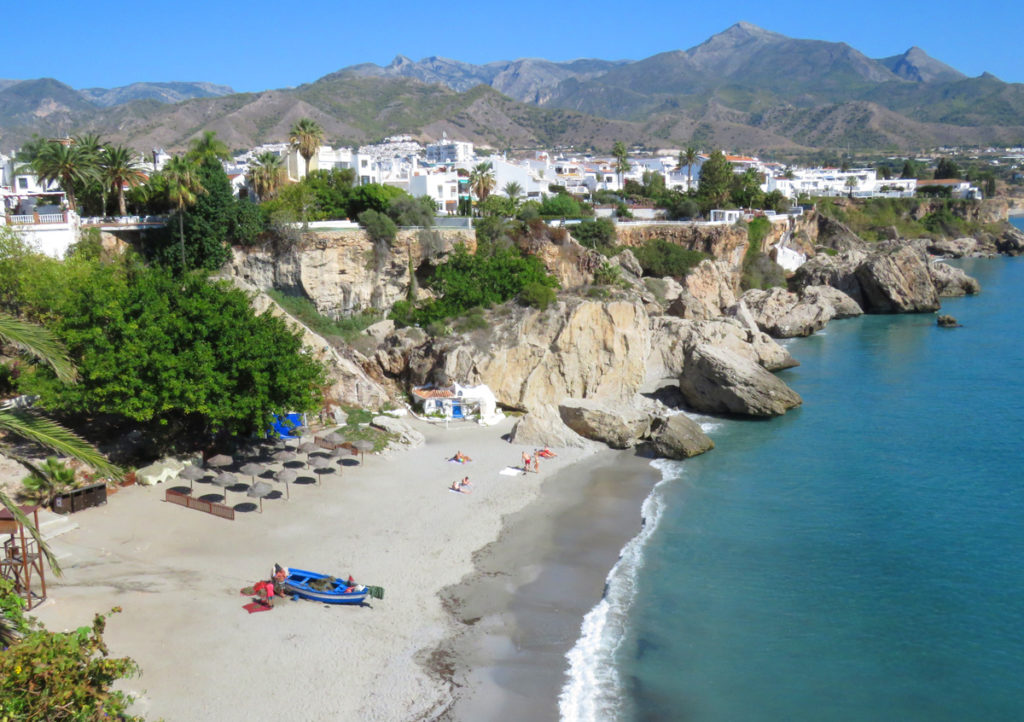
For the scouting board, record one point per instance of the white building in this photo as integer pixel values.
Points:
(858, 183)
(41, 218)
(442, 186)
(449, 151)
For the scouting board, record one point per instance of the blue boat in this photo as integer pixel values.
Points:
(297, 583)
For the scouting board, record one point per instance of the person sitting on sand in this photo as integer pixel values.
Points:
(465, 482)
(460, 486)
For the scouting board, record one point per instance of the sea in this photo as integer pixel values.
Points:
(860, 558)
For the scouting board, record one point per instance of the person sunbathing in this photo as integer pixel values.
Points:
(460, 457)
(546, 453)
(460, 486)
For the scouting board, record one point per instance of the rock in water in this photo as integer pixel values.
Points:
(947, 321)
(718, 380)
(619, 426)
(897, 282)
(679, 437)
(950, 281)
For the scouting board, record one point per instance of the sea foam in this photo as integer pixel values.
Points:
(593, 688)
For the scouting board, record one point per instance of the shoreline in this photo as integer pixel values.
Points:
(520, 612)
(390, 522)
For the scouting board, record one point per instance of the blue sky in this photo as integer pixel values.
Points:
(257, 45)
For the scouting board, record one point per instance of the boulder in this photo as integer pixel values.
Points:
(405, 433)
(836, 235)
(628, 263)
(953, 248)
(782, 314)
(952, 281)
(719, 380)
(839, 271)
(713, 285)
(896, 281)
(945, 321)
(378, 331)
(842, 305)
(678, 437)
(618, 427)
(544, 427)
(1011, 242)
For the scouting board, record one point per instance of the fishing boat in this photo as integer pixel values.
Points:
(323, 588)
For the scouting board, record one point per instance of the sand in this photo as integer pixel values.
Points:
(390, 522)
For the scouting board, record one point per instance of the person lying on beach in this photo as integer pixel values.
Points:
(460, 457)
(547, 453)
(460, 486)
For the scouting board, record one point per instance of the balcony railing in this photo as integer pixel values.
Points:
(32, 219)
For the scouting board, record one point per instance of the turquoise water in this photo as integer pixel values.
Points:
(861, 558)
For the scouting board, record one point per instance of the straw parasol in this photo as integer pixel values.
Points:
(220, 461)
(225, 479)
(251, 470)
(193, 473)
(363, 445)
(284, 456)
(259, 489)
(323, 453)
(286, 476)
(332, 440)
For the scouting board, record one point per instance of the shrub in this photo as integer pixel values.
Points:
(660, 258)
(538, 295)
(608, 274)
(562, 204)
(378, 227)
(595, 234)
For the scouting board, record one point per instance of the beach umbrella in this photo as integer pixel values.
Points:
(193, 473)
(225, 479)
(259, 489)
(219, 461)
(286, 476)
(284, 456)
(363, 445)
(334, 439)
(251, 470)
(308, 447)
(321, 453)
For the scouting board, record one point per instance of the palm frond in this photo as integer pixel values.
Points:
(39, 342)
(34, 427)
(19, 516)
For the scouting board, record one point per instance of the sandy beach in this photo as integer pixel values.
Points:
(391, 522)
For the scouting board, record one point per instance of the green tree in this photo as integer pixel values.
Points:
(946, 168)
(621, 156)
(66, 163)
(266, 174)
(481, 180)
(745, 189)
(688, 157)
(207, 148)
(372, 196)
(332, 189)
(660, 258)
(715, 181)
(53, 477)
(183, 188)
(120, 167)
(177, 356)
(910, 169)
(561, 204)
(496, 205)
(306, 137)
(599, 234)
(408, 211)
(208, 224)
(380, 228)
(513, 191)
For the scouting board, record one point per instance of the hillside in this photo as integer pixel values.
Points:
(745, 88)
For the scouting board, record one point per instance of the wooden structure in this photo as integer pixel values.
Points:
(189, 502)
(72, 500)
(22, 562)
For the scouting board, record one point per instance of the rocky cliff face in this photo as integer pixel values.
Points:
(724, 243)
(341, 272)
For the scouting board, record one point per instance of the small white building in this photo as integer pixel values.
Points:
(458, 402)
(449, 151)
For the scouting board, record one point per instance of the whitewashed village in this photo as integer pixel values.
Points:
(441, 171)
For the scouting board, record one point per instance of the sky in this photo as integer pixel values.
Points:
(258, 45)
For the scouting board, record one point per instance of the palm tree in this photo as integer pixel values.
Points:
(183, 186)
(306, 136)
(55, 476)
(207, 147)
(266, 175)
(514, 191)
(621, 160)
(120, 168)
(481, 180)
(31, 425)
(688, 157)
(67, 164)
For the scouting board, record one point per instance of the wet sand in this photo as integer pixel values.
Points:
(520, 611)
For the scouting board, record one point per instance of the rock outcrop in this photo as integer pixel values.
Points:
(782, 314)
(678, 437)
(404, 433)
(893, 278)
(544, 427)
(719, 380)
(951, 281)
(1010, 242)
(953, 248)
(897, 281)
(618, 427)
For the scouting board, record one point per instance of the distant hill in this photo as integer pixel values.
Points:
(161, 92)
(745, 88)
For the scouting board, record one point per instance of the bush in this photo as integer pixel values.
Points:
(378, 227)
(538, 295)
(563, 205)
(608, 274)
(596, 234)
(761, 272)
(408, 211)
(660, 258)
(247, 223)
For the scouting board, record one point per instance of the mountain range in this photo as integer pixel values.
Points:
(746, 89)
